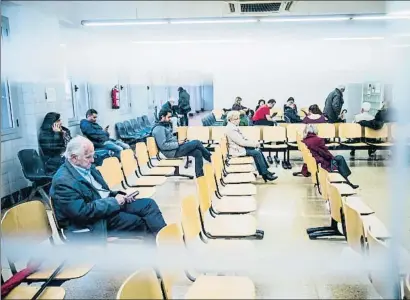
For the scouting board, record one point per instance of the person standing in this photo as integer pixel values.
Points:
(333, 105)
(184, 105)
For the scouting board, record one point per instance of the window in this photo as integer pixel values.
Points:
(10, 127)
(78, 97)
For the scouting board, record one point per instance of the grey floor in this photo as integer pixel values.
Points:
(288, 264)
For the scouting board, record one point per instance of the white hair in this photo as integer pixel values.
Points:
(76, 146)
(366, 106)
(310, 128)
(233, 114)
(341, 87)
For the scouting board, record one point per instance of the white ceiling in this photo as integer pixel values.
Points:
(75, 11)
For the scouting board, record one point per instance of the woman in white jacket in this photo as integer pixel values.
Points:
(240, 146)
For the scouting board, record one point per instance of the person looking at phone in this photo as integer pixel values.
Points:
(263, 116)
(53, 139)
(100, 137)
(172, 148)
(83, 201)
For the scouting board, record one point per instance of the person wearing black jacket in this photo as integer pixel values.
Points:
(53, 141)
(184, 105)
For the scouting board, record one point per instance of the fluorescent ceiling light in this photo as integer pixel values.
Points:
(355, 38)
(326, 19)
(191, 42)
(123, 23)
(214, 21)
(381, 17)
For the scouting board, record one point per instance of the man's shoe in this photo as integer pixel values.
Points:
(269, 177)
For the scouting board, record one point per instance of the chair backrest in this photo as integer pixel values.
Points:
(312, 167)
(31, 163)
(182, 132)
(203, 189)
(335, 200)
(326, 131)
(274, 134)
(128, 128)
(251, 132)
(382, 133)
(152, 147)
(142, 284)
(25, 222)
(354, 228)
(128, 162)
(170, 243)
(350, 130)
(301, 111)
(112, 172)
(217, 132)
(217, 165)
(323, 182)
(190, 218)
(135, 125)
(291, 130)
(120, 129)
(200, 133)
(141, 152)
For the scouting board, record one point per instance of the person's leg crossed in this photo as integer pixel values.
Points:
(126, 224)
(110, 145)
(259, 160)
(122, 144)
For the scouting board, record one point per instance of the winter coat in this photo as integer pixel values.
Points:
(333, 106)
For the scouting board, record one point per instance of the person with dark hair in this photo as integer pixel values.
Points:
(172, 148)
(260, 103)
(184, 105)
(170, 105)
(333, 105)
(314, 116)
(238, 105)
(290, 112)
(100, 137)
(53, 140)
(262, 116)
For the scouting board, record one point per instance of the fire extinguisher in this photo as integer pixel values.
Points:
(115, 98)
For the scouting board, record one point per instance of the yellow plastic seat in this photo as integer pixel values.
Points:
(291, 132)
(354, 228)
(217, 133)
(276, 134)
(27, 292)
(29, 221)
(225, 204)
(335, 177)
(130, 168)
(153, 152)
(240, 160)
(240, 169)
(358, 205)
(113, 176)
(235, 178)
(344, 189)
(142, 284)
(200, 133)
(143, 160)
(204, 287)
(232, 160)
(375, 225)
(182, 132)
(252, 133)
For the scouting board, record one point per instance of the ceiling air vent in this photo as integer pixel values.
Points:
(261, 7)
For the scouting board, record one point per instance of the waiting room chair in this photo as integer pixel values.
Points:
(222, 227)
(33, 169)
(136, 123)
(132, 132)
(252, 133)
(29, 222)
(223, 205)
(142, 284)
(274, 139)
(291, 132)
(350, 135)
(204, 286)
(201, 134)
(233, 160)
(229, 168)
(382, 135)
(145, 167)
(123, 134)
(132, 177)
(112, 173)
(182, 132)
(328, 132)
(217, 133)
(324, 177)
(144, 128)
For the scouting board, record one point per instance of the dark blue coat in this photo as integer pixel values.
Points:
(94, 132)
(78, 205)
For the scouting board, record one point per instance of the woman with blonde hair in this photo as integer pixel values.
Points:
(240, 146)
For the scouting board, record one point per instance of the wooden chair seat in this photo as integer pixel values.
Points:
(221, 287)
(295, 145)
(239, 178)
(335, 177)
(373, 223)
(240, 168)
(332, 144)
(27, 292)
(159, 171)
(357, 204)
(148, 181)
(238, 204)
(65, 274)
(270, 146)
(384, 144)
(231, 225)
(241, 160)
(344, 189)
(354, 145)
(168, 163)
(246, 189)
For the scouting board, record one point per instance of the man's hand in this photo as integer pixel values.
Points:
(181, 142)
(106, 128)
(120, 199)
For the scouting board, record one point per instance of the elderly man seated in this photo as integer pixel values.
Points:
(82, 200)
(240, 146)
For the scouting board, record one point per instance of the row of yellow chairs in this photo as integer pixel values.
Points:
(365, 233)
(219, 216)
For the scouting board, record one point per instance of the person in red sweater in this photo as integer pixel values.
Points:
(262, 115)
(322, 155)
